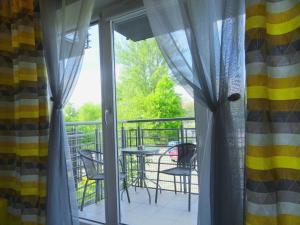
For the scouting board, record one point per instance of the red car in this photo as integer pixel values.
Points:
(174, 152)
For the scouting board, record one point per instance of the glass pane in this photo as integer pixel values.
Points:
(154, 114)
(83, 123)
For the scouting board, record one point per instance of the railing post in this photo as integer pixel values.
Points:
(123, 140)
(139, 136)
(182, 141)
(101, 159)
(97, 140)
(129, 131)
(181, 132)
(74, 155)
(139, 142)
(97, 144)
(123, 136)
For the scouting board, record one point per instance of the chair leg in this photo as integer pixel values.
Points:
(126, 189)
(101, 189)
(190, 190)
(184, 184)
(175, 188)
(156, 190)
(180, 183)
(97, 191)
(83, 196)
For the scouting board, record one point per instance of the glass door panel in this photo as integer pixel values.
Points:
(83, 123)
(154, 114)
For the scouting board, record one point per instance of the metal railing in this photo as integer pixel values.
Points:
(152, 132)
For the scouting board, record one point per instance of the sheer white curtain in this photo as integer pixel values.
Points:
(65, 27)
(203, 42)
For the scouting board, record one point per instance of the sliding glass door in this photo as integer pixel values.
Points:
(84, 128)
(119, 140)
(109, 121)
(144, 114)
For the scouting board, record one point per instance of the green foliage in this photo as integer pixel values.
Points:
(89, 112)
(144, 89)
(164, 103)
(70, 113)
(142, 67)
(90, 191)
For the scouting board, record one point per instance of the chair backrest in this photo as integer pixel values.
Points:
(185, 152)
(89, 164)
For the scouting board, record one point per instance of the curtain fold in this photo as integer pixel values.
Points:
(65, 29)
(203, 43)
(23, 115)
(273, 75)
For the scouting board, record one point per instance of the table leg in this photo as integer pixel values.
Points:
(124, 164)
(143, 175)
(153, 182)
(141, 178)
(184, 184)
(147, 191)
(124, 169)
(142, 169)
(136, 182)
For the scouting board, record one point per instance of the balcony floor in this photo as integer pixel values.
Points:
(171, 209)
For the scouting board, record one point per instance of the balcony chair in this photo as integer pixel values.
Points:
(185, 163)
(91, 165)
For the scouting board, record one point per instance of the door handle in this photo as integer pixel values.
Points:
(106, 113)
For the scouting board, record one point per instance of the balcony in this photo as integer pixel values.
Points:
(171, 208)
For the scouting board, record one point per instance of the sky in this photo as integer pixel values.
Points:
(88, 87)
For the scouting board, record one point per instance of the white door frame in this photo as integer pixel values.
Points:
(108, 96)
(109, 115)
(110, 147)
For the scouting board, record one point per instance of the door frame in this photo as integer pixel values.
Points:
(109, 113)
(110, 146)
(108, 17)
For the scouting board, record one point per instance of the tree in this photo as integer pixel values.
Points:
(163, 102)
(89, 112)
(144, 89)
(142, 66)
(70, 113)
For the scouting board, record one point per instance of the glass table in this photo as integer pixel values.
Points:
(141, 155)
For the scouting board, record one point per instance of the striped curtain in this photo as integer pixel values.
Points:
(273, 121)
(23, 115)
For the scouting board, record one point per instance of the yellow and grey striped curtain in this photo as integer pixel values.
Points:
(273, 122)
(23, 115)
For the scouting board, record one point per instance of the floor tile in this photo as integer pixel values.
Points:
(171, 209)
